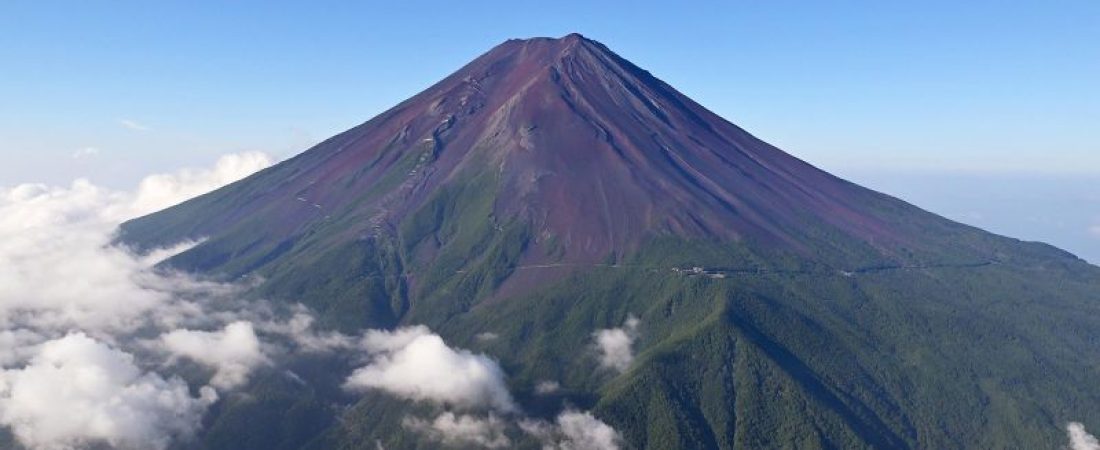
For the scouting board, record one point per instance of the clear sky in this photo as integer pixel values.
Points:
(856, 87)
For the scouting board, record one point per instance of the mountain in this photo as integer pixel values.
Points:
(550, 188)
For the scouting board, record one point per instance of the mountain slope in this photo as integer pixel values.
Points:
(550, 188)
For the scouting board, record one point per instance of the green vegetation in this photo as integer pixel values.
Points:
(952, 339)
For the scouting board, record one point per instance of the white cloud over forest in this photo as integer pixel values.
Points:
(573, 430)
(233, 351)
(416, 364)
(615, 345)
(462, 430)
(1079, 439)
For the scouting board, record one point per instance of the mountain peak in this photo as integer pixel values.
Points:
(588, 155)
(545, 51)
(571, 38)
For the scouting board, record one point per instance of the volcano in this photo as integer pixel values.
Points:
(550, 188)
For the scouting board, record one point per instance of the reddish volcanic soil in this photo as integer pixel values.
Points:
(584, 148)
(588, 147)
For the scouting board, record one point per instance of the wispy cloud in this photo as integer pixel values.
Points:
(547, 387)
(486, 336)
(1095, 230)
(86, 152)
(133, 125)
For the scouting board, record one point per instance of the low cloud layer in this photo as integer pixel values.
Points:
(77, 391)
(462, 430)
(415, 364)
(615, 345)
(71, 305)
(90, 333)
(58, 269)
(1079, 439)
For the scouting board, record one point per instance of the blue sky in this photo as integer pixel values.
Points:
(861, 88)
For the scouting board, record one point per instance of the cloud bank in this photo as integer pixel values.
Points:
(77, 391)
(58, 269)
(415, 364)
(85, 152)
(72, 304)
(615, 345)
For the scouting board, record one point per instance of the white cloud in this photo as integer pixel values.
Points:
(573, 430)
(302, 334)
(415, 364)
(234, 351)
(62, 389)
(462, 430)
(86, 152)
(62, 281)
(1079, 439)
(547, 387)
(57, 267)
(487, 336)
(133, 125)
(77, 392)
(382, 341)
(160, 191)
(615, 345)
(583, 431)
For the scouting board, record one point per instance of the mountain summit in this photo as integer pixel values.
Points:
(550, 188)
(590, 155)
